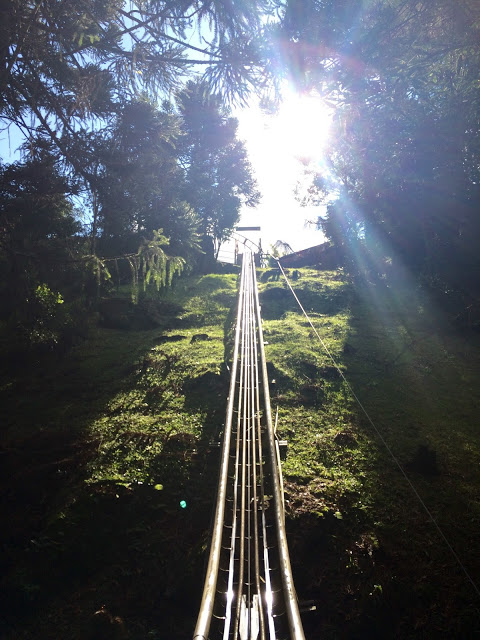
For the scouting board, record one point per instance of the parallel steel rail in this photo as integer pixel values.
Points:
(249, 592)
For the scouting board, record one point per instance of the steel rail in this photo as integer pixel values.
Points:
(290, 596)
(251, 536)
(206, 609)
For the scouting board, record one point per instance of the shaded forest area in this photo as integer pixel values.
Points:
(404, 162)
(129, 170)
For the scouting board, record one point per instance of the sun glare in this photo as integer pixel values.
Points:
(279, 145)
(297, 133)
(303, 124)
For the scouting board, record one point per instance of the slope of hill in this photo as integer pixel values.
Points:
(109, 465)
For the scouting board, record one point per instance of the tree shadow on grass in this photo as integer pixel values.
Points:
(409, 584)
(131, 549)
(71, 547)
(377, 568)
(208, 394)
(132, 552)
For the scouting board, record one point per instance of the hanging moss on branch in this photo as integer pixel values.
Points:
(134, 268)
(97, 273)
(157, 267)
(150, 264)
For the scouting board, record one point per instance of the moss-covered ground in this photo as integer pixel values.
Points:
(109, 465)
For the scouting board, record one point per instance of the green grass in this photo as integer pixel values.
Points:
(375, 546)
(100, 448)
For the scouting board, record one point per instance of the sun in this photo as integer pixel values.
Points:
(280, 144)
(285, 149)
(302, 125)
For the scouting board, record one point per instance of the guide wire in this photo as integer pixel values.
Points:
(382, 439)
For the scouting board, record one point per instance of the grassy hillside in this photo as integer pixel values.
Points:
(109, 465)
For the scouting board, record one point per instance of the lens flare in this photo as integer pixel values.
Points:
(303, 124)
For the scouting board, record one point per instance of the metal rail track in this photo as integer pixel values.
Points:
(249, 592)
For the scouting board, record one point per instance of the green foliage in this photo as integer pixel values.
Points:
(97, 268)
(137, 177)
(134, 168)
(37, 248)
(150, 266)
(277, 250)
(157, 267)
(82, 84)
(404, 164)
(187, 174)
(46, 315)
(218, 175)
(75, 61)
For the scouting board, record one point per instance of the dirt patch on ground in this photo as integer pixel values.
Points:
(301, 499)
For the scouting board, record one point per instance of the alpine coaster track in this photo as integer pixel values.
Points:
(249, 592)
